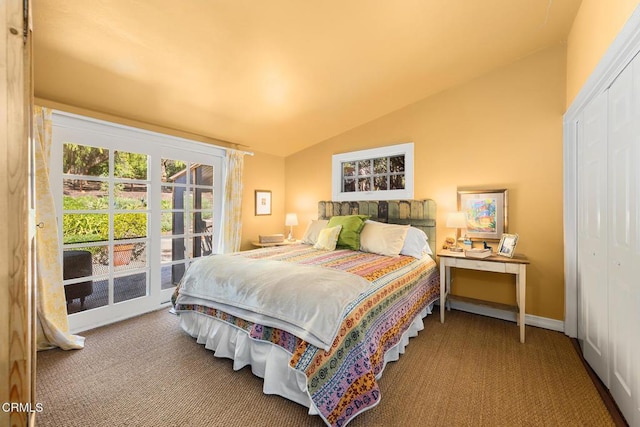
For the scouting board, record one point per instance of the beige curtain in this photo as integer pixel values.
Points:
(53, 327)
(232, 217)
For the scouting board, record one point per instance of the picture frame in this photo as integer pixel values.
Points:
(507, 245)
(486, 213)
(263, 202)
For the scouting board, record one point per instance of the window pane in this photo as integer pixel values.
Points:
(364, 184)
(167, 223)
(85, 160)
(99, 259)
(380, 165)
(131, 196)
(122, 256)
(166, 197)
(380, 183)
(201, 223)
(178, 223)
(129, 226)
(397, 182)
(129, 256)
(349, 185)
(177, 197)
(364, 167)
(81, 228)
(204, 198)
(77, 263)
(173, 249)
(201, 246)
(171, 275)
(202, 175)
(397, 164)
(86, 295)
(187, 197)
(129, 287)
(207, 216)
(348, 169)
(80, 194)
(129, 165)
(173, 170)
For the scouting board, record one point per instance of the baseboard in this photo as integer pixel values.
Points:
(529, 319)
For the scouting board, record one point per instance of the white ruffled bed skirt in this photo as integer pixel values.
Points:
(269, 361)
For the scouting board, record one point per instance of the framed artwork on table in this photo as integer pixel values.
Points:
(263, 202)
(507, 245)
(485, 211)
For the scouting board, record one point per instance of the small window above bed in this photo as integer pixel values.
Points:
(384, 173)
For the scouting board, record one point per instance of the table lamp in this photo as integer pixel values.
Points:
(291, 219)
(456, 220)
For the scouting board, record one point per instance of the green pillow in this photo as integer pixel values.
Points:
(352, 225)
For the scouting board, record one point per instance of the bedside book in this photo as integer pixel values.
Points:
(477, 253)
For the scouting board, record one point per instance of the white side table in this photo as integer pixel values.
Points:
(498, 264)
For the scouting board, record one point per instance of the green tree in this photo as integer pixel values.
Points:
(130, 165)
(85, 160)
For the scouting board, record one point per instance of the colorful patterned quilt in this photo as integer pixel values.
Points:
(342, 382)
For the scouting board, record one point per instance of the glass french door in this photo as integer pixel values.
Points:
(134, 211)
(187, 225)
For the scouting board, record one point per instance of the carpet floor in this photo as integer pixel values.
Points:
(470, 371)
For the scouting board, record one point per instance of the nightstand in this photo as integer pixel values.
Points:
(498, 264)
(267, 245)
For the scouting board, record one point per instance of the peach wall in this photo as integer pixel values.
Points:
(502, 130)
(262, 172)
(595, 27)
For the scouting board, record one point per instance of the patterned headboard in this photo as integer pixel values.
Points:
(417, 213)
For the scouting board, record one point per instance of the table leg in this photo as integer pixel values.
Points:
(521, 279)
(443, 288)
(448, 284)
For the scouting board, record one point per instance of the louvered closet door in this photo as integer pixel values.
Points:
(592, 236)
(624, 248)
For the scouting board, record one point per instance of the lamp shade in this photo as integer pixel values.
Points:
(457, 220)
(291, 219)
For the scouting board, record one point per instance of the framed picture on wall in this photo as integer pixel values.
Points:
(263, 202)
(485, 212)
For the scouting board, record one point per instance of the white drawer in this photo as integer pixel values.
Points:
(476, 264)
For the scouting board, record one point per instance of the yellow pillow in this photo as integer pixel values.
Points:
(328, 238)
(313, 230)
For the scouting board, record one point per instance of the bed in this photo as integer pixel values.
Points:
(319, 323)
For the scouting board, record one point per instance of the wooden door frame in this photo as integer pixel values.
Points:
(17, 357)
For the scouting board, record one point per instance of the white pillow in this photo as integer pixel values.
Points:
(327, 238)
(313, 230)
(383, 239)
(416, 244)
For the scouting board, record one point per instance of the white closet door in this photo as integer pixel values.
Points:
(592, 236)
(624, 256)
(634, 263)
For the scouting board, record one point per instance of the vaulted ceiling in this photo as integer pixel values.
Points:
(276, 76)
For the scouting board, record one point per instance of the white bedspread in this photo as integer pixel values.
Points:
(307, 301)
